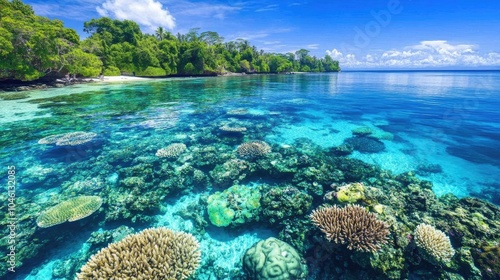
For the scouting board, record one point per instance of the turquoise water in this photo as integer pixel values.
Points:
(442, 126)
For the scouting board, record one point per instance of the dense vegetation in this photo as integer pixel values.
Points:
(32, 47)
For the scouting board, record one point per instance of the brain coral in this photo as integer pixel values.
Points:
(171, 151)
(68, 139)
(156, 253)
(253, 149)
(70, 210)
(273, 259)
(433, 243)
(353, 225)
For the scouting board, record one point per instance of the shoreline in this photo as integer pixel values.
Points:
(15, 86)
(21, 86)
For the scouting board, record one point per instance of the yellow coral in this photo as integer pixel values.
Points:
(351, 193)
(156, 253)
(70, 210)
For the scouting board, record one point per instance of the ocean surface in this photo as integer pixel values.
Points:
(443, 126)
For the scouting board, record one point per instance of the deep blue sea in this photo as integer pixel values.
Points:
(444, 126)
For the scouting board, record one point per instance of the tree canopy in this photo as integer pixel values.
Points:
(32, 46)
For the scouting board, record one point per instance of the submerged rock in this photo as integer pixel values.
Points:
(365, 144)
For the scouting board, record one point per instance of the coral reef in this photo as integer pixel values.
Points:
(352, 225)
(273, 189)
(70, 210)
(156, 253)
(285, 202)
(238, 112)
(426, 169)
(362, 131)
(68, 139)
(273, 259)
(232, 129)
(230, 172)
(171, 151)
(253, 149)
(487, 259)
(350, 193)
(234, 206)
(434, 244)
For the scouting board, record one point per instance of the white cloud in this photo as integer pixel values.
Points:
(148, 13)
(312, 46)
(426, 54)
(268, 8)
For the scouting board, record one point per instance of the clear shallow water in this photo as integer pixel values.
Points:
(444, 119)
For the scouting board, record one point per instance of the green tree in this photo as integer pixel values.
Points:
(32, 46)
(82, 63)
(330, 65)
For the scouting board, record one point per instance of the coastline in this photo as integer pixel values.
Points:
(20, 86)
(114, 79)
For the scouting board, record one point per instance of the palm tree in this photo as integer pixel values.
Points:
(160, 33)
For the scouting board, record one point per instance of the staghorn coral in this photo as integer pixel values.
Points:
(70, 210)
(273, 259)
(155, 253)
(171, 151)
(434, 245)
(68, 139)
(253, 149)
(353, 225)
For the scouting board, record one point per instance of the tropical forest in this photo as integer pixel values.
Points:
(34, 47)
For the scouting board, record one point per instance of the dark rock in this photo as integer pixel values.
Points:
(365, 144)
(426, 169)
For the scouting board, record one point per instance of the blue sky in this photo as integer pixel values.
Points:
(369, 34)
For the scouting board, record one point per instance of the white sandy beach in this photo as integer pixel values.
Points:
(122, 79)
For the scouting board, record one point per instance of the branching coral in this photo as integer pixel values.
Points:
(171, 151)
(352, 225)
(233, 129)
(156, 253)
(253, 149)
(433, 243)
(70, 210)
(68, 139)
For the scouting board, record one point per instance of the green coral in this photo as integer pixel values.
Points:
(273, 259)
(218, 212)
(70, 210)
(234, 206)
